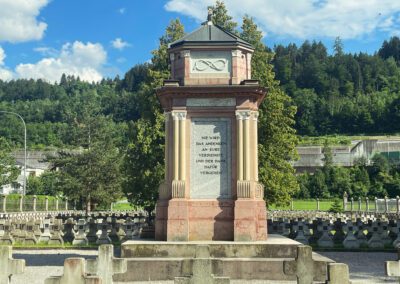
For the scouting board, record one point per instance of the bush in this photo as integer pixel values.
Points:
(336, 206)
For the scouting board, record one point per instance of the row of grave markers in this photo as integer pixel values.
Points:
(360, 232)
(103, 230)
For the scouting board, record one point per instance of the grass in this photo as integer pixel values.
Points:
(324, 205)
(123, 206)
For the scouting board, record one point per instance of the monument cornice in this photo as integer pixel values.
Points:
(167, 94)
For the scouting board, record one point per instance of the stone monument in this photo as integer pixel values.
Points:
(211, 189)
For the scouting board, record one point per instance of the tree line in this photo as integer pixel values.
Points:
(341, 92)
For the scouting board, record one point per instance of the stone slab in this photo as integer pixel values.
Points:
(274, 246)
(211, 154)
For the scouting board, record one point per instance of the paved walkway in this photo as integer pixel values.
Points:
(365, 267)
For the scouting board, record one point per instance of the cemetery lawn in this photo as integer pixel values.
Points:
(324, 205)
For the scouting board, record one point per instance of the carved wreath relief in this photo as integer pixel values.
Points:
(206, 62)
(203, 65)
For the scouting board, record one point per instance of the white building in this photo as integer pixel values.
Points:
(35, 166)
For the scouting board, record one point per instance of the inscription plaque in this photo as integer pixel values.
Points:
(210, 158)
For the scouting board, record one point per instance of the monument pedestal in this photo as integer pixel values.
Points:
(250, 220)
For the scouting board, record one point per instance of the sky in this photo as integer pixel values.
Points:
(96, 39)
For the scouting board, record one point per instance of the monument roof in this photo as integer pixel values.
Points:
(210, 35)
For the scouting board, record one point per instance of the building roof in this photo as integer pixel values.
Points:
(210, 35)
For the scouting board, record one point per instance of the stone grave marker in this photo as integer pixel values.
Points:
(325, 241)
(80, 236)
(8, 265)
(103, 238)
(74, 273)
(303, 266)
(338, 273)
(350, 240)
(106, 265)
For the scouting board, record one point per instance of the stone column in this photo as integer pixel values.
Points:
(345, 201)
(246, 146)
(351, 204)
(317, 204)
(359, 204)
(21, 203)
(176, 146)
(46, 204)
(34, 203)
(172, 58)
(376, 204)
(245, 189)
(248, 65)
(56, 203)
(166, 152)
(179, 162)
(366, 204)
(239, 145)
(182, 146)
(254, 142)
(236, 57)
(4, 203)
(66, 203)
(185, 55)
(386, 205)
(398, 205)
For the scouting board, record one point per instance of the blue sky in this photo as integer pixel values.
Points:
(103, 38)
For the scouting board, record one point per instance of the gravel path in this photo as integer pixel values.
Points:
(365, 267)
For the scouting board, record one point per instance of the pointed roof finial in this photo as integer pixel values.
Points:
(209, 16)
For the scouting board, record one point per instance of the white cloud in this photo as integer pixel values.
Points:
(118, 43)
(305, 18)
(122, 11)
(47, 51)
(121, 60)
(78, 59)
(2, 56)
(5, 74)
(18, 20)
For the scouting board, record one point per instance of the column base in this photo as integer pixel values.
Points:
(250, 220)
(172, 222)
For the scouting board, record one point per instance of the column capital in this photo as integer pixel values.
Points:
(185, 53)
(179, 114)
(243, 114)
(236, 53)
(254, 115)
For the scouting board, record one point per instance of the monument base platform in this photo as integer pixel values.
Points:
(263, 260)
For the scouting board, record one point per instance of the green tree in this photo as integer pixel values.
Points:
(91, 175)
(277, 137)
(143, 167)
(8, 168)
(34, 186)
(221, 18)
(338, 46)
(336, 206)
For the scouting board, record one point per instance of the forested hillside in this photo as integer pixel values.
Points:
(341, 93)
(334, 93)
